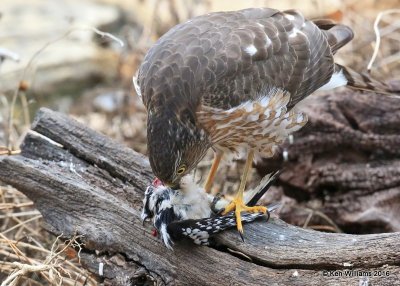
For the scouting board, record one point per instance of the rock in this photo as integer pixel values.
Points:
(109, 102)
(26, 27)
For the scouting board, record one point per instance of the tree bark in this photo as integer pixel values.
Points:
(345, 162)
(82, 182)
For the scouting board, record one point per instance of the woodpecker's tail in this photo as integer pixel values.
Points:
(262, 188)
(363, 81)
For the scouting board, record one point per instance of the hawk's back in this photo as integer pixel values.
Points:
(223, 59)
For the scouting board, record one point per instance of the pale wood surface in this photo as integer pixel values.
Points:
(94, 186)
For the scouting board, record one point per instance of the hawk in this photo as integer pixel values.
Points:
(231, 81)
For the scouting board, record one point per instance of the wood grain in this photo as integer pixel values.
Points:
(88, 184)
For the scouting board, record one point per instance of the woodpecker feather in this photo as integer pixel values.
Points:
(191, 213)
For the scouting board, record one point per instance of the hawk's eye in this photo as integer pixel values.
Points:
(181, 170)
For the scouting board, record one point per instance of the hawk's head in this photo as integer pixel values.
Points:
(176, 145)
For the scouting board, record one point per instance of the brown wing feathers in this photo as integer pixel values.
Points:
(313, 66)
(224, 59)
(337, 35)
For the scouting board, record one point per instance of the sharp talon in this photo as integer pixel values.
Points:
(241, 235)
(268, 215)
(238, 206)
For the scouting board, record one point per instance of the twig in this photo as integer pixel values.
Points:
(15, 205)
(27, 213)
(378, 36)
(41, 249)
(6, 151)
(23, 270)
(323, 228)
(320, 214)
(22, 223)
(105, 35)
(7, 54)
(390, 59)
(50, 268)
(310, 215)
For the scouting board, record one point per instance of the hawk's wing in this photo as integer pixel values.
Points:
(223, 59)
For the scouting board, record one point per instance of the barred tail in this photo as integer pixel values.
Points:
(364, 81)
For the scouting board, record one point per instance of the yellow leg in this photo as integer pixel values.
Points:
(213, 171)
(238, 204)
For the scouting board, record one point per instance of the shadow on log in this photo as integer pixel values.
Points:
(83, 182)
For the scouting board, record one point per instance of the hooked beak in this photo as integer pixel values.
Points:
(157, 182)
(173, 186)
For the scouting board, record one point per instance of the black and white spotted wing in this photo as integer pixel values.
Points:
(201, 230)
(172, 215)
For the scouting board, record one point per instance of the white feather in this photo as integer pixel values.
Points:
(165, 237)
(337, 79)
(294, 33)
(193, 195)
(251, 50)
(137, 87)
(289, 17)
(268, 41)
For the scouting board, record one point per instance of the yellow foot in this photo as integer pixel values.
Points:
(238, 206)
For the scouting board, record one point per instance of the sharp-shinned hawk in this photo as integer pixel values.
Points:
(231, 81)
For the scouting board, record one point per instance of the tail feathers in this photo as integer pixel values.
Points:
(337, 35)
(324, 24)
(363, 81)
(251, 197)
(262, 188)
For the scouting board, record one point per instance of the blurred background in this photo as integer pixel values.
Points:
(78, 57)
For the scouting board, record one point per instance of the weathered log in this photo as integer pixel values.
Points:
(88, 184)
(345, 162)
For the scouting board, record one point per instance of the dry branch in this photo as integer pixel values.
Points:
(82, 182)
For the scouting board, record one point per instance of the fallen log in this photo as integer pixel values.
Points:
(83, 182)
(345, 162)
